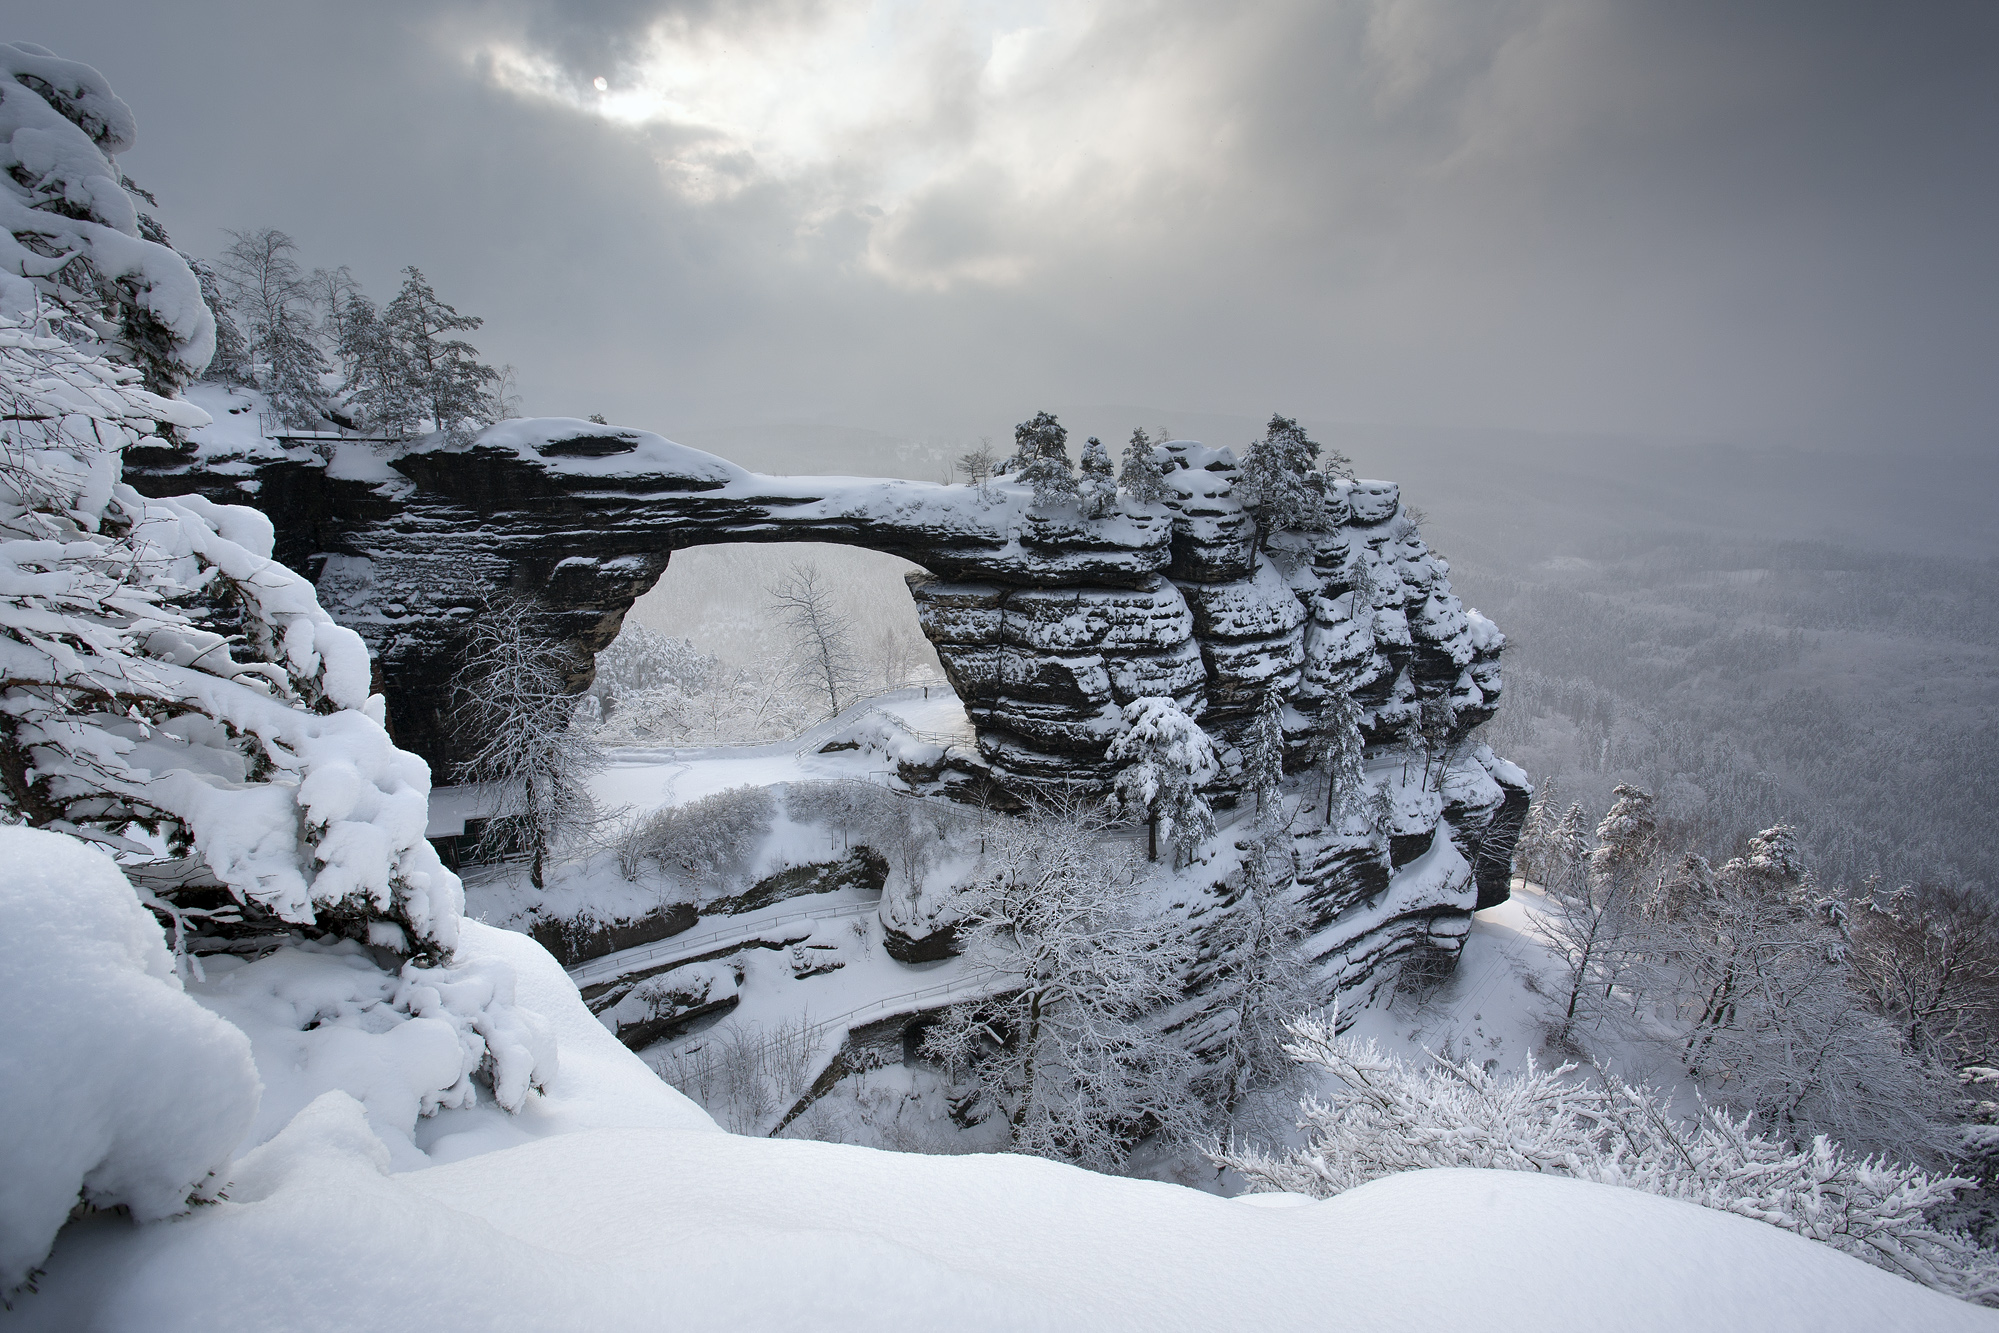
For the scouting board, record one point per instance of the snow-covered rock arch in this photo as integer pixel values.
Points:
(1046, 622)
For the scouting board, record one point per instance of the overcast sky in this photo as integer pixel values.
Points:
(1732, 221)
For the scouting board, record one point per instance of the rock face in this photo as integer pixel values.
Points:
(1046, 622)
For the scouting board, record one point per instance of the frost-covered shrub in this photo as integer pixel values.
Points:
(323, 1016)
(1381, 1117)
(702, 840)
(71, 231)
(115, 1087)
(166, 686)
(862, 813)
(1076, 963)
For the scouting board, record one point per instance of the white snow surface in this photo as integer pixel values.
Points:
(612, 1203)
(112, 1081)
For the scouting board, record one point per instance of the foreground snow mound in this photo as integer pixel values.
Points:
(322, 1017)
(114, 1086)
(611, 1203)
(635, 1229)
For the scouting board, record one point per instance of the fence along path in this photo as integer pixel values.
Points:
(740, 930)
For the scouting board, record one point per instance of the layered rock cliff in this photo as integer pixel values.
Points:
(1046, 622)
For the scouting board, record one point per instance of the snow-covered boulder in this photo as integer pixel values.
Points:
(116, 1088)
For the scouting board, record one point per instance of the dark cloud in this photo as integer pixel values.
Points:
(1744, 221)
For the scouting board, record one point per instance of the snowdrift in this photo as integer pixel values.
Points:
(612, 1203)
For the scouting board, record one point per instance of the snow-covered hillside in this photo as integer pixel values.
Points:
(612, 1203)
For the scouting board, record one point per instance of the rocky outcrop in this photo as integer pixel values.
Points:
(1046, 622)
(573, 940)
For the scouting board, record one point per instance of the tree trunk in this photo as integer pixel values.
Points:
(1152, 838)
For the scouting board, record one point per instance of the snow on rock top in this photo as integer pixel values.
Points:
(588, 449)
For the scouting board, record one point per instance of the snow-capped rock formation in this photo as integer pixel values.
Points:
(1046, 621)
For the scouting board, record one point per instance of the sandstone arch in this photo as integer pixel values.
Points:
(1046, 622)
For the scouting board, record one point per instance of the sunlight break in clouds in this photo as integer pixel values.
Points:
(957, 135)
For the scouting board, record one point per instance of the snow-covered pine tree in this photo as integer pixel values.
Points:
(1530, 853)
(1096, 491)
(1263, 752)
(1078, 964)
(1167, 760)
(1627, 842)
(536, 762)
(168, 691)
(1140, 474)
(268, 287)
(1568, 850)
(1265, 981)
(1278, 484)
(1340, 748)
(383, 391)
(1041, 458)
(444, 372)
(1593, 918)
(71, 233)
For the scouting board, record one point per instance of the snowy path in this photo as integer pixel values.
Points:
(646, 778)
(739, 930)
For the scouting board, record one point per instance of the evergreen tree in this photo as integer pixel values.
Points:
(75, 237)
(1168, 761)
(263, 273)
(1041, 458)
(1097, 491)
(444, 372)
(383, 389)
(231, 362)
(1263, 756)
(1141, 476)
(1277, 483)
(1340, 747)
(1266, 981)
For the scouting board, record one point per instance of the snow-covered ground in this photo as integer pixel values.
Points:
(611, 1202)
(790, 1026)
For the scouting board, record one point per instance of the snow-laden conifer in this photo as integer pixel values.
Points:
(1096, 490)
(167, 689)
(71, 232)
(1041, 459)
(1167, 760)
(1139, 472)
(1263, 752)
(443, 372)
(1264, 978)
(1341, 750)
(269, 290)
(1278, 484)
